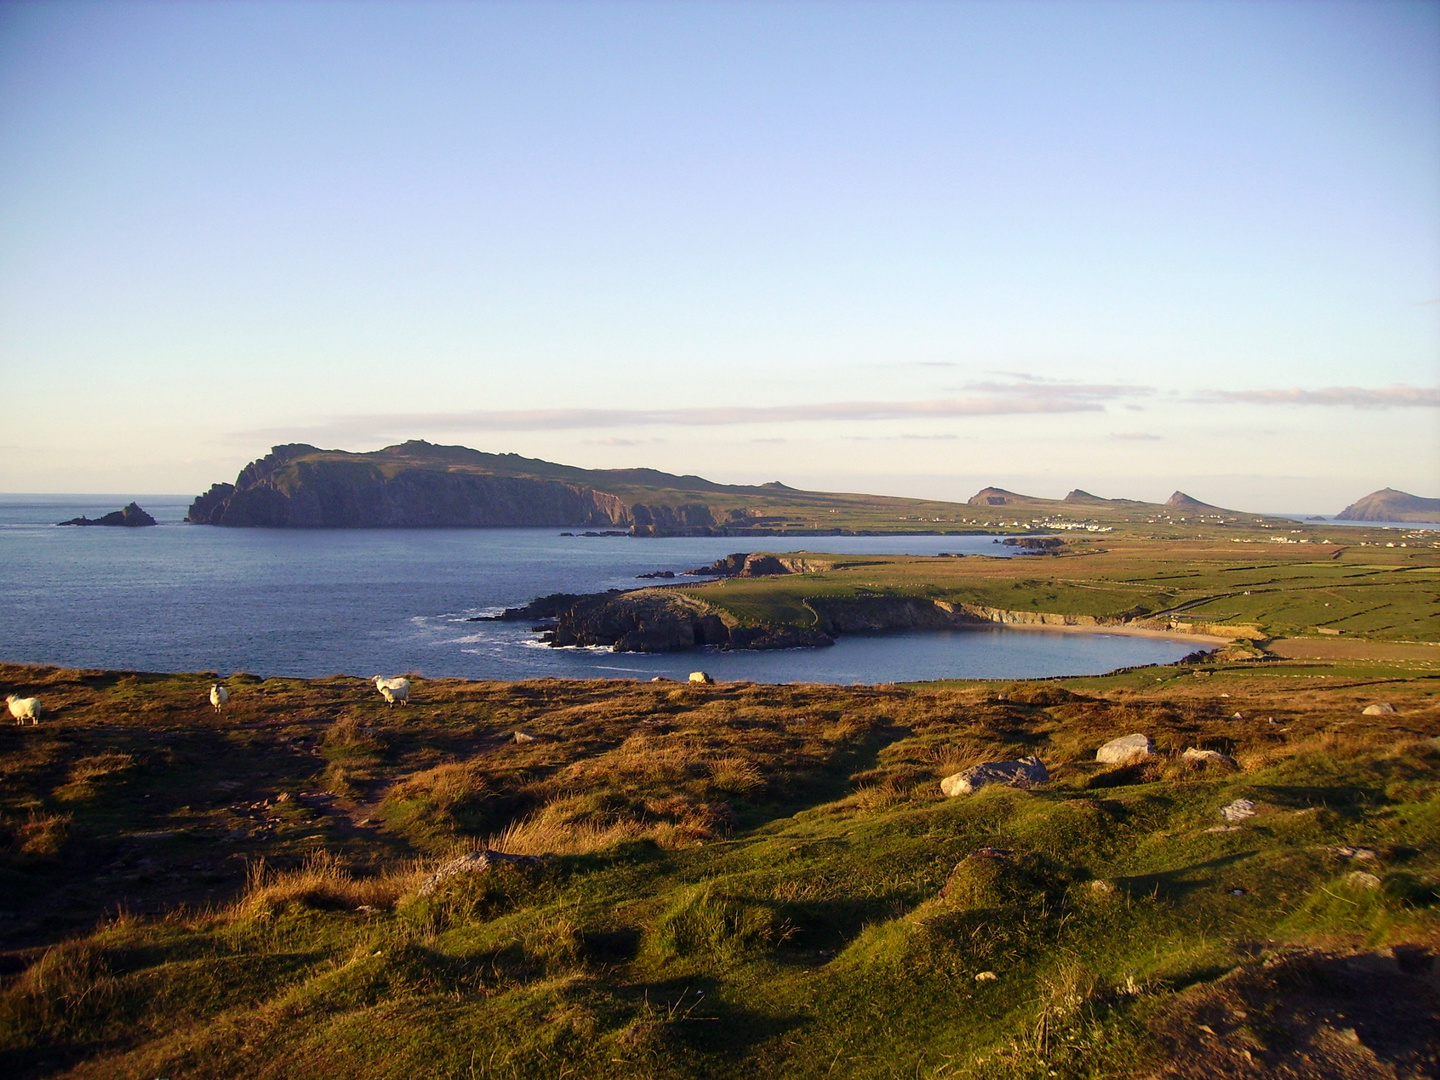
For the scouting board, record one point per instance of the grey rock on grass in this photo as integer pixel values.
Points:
(474, 863)
(1210, 757)
(1125, 748)
(1238, 810)
(1022, 773)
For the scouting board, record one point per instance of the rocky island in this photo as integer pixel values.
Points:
(129, 516)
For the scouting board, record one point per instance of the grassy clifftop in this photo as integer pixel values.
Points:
(738, 880)
(1372, 592)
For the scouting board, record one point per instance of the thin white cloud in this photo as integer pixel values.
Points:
(1355, 397)
(1034, 388)
(1005, 401)
(612, 440)
(1137, 436)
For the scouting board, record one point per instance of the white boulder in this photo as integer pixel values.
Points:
(1125, 748)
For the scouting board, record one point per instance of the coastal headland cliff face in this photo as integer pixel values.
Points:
(661, 620)
(298, 486)
(420, 485)
(666, 619)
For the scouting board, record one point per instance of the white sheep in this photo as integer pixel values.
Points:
(393, 690)
(24, 708)
(218, 696)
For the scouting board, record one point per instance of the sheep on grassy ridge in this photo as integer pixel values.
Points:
(24, 708)
(393, 690)
(218, 696)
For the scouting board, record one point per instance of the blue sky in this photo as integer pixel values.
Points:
(911, 248)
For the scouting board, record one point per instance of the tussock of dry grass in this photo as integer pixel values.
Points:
(576, 825)
(40, 835)
(323, 882)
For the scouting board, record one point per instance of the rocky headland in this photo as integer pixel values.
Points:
(746, 564)
(1387, 504)
(420, 485)
(667, 619)
(417, 484)
(129, 516)
(299, 486)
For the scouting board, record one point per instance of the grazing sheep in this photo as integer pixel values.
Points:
(218, 696)
(24, 708)
(393, 690)
(701, 677)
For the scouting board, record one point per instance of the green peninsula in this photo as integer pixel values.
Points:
(1251, 587)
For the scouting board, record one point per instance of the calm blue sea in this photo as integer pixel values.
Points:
(365, 601)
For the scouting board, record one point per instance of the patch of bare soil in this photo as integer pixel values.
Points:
(1309, 1015)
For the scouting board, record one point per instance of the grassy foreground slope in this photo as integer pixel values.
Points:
(740, 880)
(1262, 589)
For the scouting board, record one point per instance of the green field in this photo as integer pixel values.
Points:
(1371, 592)
(738, 880)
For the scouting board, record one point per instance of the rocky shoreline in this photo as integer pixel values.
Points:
(659, 619)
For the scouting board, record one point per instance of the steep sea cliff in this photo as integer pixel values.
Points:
(292, 487)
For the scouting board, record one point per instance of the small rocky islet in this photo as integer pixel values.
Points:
(129, 516)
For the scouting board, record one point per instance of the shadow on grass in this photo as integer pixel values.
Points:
(1345, 800)
(832, 924)
(697, 1018)
(1179, 883)
(830, 782)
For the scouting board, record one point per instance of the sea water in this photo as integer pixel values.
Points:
(311, 602)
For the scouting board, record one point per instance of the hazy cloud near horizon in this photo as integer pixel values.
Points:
(1005, 400)
(1357, 397)
(383, 425)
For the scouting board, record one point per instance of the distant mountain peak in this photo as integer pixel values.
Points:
(1388, 504)
(994, 496)
(1181, 501)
